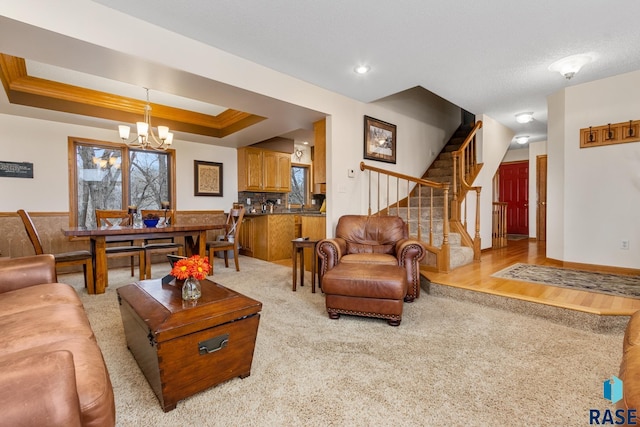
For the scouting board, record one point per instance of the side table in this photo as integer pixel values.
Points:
(298, 248)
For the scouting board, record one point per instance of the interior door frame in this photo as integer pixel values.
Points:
(541, 197)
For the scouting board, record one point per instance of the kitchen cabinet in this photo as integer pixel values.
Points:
(252, 169)
(267, 237)
(277, 171)
(320, 156)
(263, 170)
(246, 236)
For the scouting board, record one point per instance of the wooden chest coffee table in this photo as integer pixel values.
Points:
(183, 348)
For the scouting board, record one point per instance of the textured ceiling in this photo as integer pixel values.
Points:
(486, 56)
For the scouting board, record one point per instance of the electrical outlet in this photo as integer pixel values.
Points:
(624, 244)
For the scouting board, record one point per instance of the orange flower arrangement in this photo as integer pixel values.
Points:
(196, 266)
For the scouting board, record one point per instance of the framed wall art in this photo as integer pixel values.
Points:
(379, 140)
(207, 178)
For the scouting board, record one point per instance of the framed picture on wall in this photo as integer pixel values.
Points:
(379, 140)
(207, 178)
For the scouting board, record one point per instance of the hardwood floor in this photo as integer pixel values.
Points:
(477, 277)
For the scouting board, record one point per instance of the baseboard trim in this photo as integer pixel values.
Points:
(595, 267)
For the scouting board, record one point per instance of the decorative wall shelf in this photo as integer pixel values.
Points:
(612, 133)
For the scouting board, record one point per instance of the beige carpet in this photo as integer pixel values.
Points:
(449, 363)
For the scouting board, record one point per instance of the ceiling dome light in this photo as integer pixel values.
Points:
(570, 65)
(524, 117)
(362, 69)
(522, 139)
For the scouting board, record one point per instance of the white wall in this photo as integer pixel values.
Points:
(493, 141)
(594, 192)
(555, 175)
(516, 155)
(44, 144)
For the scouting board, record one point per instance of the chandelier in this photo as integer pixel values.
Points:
(146, 139)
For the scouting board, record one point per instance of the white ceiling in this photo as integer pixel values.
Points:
(486, 56)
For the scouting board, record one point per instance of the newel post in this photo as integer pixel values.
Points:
(476, 240)
(455, 214)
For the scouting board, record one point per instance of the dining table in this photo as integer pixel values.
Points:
(195, 239)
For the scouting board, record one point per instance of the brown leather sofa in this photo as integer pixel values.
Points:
(51, 369)
(630, 365)
(366, 240)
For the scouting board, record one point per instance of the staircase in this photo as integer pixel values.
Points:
(447, 241)
(441, 170)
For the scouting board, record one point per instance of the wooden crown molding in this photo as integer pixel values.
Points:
(23, 89)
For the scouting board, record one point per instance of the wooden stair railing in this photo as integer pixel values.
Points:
(499, 225)
(442, 253)
(465, 170)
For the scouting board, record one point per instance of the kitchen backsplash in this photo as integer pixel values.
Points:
(280, 201)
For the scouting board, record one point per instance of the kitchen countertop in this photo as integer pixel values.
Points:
(287, 212)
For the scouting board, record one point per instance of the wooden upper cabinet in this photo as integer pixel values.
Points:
(263, 170)
(270, 170)
(254, 170)
(320, 152)
(284, 173)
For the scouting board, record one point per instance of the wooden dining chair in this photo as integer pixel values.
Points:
(63, 259)
(230, 240)
(128, 248)
(164, 245)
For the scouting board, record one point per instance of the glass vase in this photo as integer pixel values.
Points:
(191, 289)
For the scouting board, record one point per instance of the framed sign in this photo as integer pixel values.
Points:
(207, 178)
(379, 140)
(16, 170)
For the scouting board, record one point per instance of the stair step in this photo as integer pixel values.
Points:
(452, 147)
(443, 163)
(425, 207)
(438, 227)
(425, 192)
(439, 172)
(458, 256)
(441, 179)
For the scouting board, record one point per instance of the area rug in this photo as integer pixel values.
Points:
(517, 236)
(605, 283)
(449, 363)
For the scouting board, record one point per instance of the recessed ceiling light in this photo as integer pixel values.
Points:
(305, 142)
(570, 65)
(524, 117)
(362, 69)
(522, 139)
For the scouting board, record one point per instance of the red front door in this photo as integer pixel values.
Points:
(514, 190)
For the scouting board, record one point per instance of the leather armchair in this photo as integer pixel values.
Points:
(378, 240)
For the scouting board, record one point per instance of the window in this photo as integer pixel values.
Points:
(299, 194)
(104, 175)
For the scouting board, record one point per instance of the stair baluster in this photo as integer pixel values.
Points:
(438, 254)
